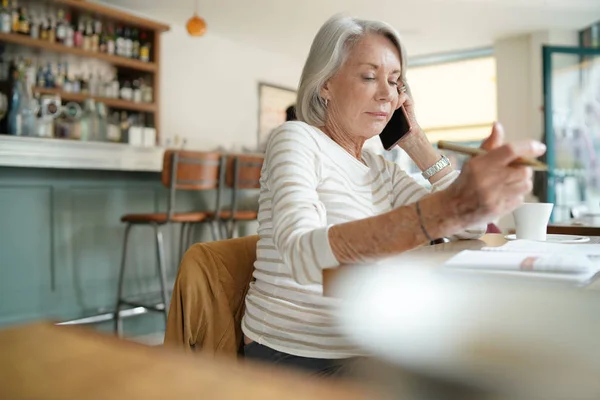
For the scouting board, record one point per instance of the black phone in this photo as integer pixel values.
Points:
(396, 129)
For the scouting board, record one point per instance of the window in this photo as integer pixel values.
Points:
(454, 101)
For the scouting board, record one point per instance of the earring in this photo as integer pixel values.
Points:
(326, 103)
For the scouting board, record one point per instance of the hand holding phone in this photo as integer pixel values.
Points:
(396, 129)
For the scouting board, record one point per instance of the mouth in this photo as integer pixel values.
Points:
(378, 114)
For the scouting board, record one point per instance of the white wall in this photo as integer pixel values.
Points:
(209, 89)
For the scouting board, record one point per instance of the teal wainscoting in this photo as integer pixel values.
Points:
(61, 242)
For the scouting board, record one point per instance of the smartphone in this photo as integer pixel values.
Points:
(396, 129)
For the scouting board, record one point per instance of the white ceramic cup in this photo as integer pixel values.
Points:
(531, 220)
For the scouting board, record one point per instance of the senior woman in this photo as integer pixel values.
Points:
(326, 201)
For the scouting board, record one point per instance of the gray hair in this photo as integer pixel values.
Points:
(328, 52)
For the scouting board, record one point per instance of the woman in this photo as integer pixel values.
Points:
(326, 202)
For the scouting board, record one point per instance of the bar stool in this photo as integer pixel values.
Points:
(182, 170)
(243, 172)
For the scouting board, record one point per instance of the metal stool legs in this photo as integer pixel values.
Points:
(117, 317)
(162, 269)
(163, 306)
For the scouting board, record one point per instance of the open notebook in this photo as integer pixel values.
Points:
(575, 263)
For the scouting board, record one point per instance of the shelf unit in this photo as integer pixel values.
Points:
(59, 48)
(113, 15)
(110, 102)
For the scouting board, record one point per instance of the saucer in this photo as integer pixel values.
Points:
(558, 238)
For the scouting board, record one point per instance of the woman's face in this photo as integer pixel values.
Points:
(363, 94)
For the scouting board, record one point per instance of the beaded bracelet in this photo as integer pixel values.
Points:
(421, 222)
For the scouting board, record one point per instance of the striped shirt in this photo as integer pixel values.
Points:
(309, 183)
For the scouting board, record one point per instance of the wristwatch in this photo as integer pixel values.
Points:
(437, 167)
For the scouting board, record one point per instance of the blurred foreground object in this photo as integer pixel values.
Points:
(444, 336)
(43, 361)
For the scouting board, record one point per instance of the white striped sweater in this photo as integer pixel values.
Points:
(308, 184)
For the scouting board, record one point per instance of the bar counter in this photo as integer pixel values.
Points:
(61, 237)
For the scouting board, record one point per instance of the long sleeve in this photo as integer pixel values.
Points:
(405, 190)
(300, 229)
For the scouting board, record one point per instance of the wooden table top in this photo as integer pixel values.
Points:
(440, 253)
(587, 226)
(43, 361)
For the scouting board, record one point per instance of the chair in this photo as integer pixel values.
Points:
(243, 172)
(182, 170)
(207, 304)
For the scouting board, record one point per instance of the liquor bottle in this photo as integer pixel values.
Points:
(15, 122)
(97, 30)
(23, 21)
(78, 37)
(51, 31)
(49, 76)
(61, 27)
(103, 46)
(40, 80)
(89, 121)
(15, 17)
(59, 80)
(110, 41)
(128, 44)
(120, 42)
(87, 37)
(69, 32)
(135, 44)
(34, 27)
(5, 18)
(44, 30)
(144, 47)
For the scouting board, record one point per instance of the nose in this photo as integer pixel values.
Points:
(385, 91)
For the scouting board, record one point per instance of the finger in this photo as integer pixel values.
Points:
(508, 153)
(496, 138)
(518, 174)
(402, 98)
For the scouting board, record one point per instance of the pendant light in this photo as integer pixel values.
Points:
(196, 26)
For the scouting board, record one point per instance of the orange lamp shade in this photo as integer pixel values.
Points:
(196, 26)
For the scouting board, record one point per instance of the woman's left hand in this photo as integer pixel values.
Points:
(405, 99)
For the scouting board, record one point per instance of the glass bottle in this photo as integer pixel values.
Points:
(101, 122)
(87, 36)
(23, 21)
(69, 32)
(78, 37)
(15, 17)
(127, 44)
(61, 27)
(51, 31)
(5, 18)
(144, 47)
(89, 120)
(135, 44)
(15, 121)
(97, 30)
(110, 41)
(120, 41)
(34, 28)
(44, 30)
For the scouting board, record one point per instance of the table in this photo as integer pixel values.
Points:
(43, 361)
(586, 226)
(440, 253)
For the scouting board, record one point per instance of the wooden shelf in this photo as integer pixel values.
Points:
(110, 102)
(59, 48)
(114, 14)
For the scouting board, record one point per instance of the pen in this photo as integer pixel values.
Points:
(474, 151)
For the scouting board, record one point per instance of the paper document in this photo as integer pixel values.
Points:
(531, 246)
(571, 267)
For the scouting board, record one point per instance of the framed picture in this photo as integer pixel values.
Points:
(272, 102)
